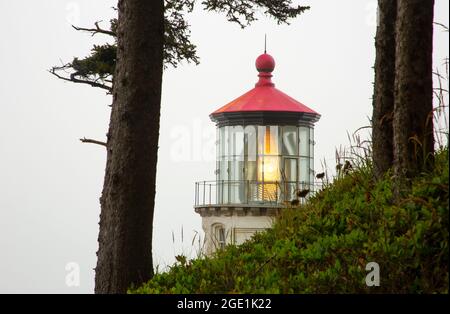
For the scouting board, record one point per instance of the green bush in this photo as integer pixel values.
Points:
(324, 246)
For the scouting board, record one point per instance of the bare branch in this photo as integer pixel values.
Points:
(76, 80)
(96, 30)
(88, 140)
(445, 27)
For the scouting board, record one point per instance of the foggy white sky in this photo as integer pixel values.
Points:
(50, 183)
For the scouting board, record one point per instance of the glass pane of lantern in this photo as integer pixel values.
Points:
(261, 133)
(290, 172)
(268, 143)
(271, 168)
(230, 143)
(236, 169)
(250, 177)
(217, 146)
(238, 140)
(273, 143)
(250, 142)
(217, 170)
(223, 169)
(268, 178)
(304, 171)
(236, 165)
(304, 141)
(224, 141)
(250, 171)
(221, 143)
(222, 184)
(236, 183)
(311, 155)
(290, 142)
(236, 174)
(290, 169)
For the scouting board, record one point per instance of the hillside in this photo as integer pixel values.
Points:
(324, 246)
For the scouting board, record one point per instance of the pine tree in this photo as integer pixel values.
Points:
(413, 106)
(127, 201)
(383, 98)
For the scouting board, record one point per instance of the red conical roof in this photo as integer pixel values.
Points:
(265, 97)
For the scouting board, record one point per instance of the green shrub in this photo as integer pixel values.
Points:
(324, 246)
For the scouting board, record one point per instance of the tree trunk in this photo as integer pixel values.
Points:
(383, 96)
(127, 201)
(413, 108)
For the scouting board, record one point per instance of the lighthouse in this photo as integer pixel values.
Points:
(265, 159)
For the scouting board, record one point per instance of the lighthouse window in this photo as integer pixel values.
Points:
(219, 235)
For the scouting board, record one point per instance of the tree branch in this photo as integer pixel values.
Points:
(95, 30)
(88, 140)
(75, 80)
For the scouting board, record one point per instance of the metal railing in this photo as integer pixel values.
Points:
(248, 192)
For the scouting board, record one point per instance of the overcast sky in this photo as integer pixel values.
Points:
(50, 183)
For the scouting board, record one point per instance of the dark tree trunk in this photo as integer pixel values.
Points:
(383, 95)
(127, 201)
(413, 108)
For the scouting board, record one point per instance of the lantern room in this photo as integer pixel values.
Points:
(265, 156)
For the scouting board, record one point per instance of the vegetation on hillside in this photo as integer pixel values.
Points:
(324, 246)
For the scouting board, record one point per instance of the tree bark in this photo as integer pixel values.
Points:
(127, 201)
(383, 96)
(413, 108)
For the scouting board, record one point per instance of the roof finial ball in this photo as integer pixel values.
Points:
(265, 63)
